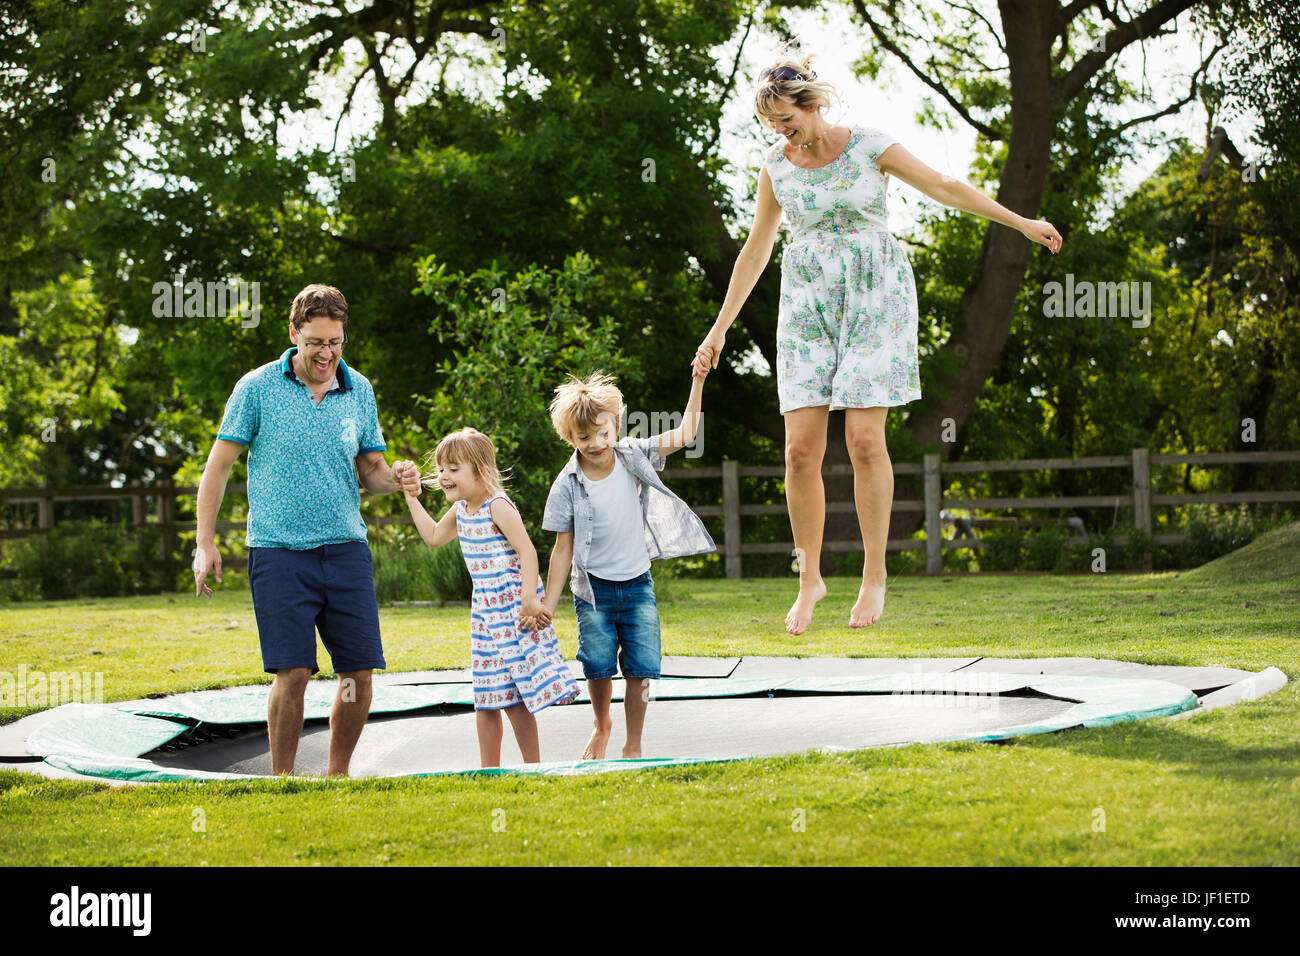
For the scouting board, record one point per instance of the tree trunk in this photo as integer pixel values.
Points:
(988, 305)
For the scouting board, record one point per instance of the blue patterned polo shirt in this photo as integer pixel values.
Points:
(302, 478)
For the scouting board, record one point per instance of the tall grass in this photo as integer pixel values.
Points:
(406, 569)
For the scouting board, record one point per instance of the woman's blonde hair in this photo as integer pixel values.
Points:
(468, 446)
(583, 405)
(791, 79)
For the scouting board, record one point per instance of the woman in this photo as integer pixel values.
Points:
(846, 332)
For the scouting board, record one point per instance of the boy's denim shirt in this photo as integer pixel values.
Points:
(672, 529)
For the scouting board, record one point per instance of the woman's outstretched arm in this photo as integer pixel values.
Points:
(896, 161)
(750, 263)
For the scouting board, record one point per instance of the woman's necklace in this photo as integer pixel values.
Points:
(813, 142)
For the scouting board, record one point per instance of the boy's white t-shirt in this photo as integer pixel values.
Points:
(618, 551)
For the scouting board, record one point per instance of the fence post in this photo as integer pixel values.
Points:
(731, 515)
(166, 533)
(1142, 498)
(137, 509)
(933, 525)
(45, 513)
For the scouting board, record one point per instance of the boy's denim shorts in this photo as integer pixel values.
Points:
(330, 589)
(624, 622)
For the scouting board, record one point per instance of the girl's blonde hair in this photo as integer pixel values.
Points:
(468, 446)
(791, 79)
(583, 405)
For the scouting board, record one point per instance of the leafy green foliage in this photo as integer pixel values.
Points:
(585, 129)
(514, 339)
(406, 569)
(61, 390)
(91, 558)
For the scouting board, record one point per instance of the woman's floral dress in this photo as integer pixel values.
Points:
(846, 333)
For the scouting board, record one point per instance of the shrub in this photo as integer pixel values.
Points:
(91, 558)
(1003, 550)
(1045, 551)
(1214, 530)
(408, 570)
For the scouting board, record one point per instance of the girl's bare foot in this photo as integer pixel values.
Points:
(871, 604)
(599, 740)
(801, 612)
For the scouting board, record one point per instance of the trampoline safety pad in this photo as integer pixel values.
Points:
(765, 707)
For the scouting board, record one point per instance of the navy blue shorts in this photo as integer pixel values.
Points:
(330, 589)
(624, 625)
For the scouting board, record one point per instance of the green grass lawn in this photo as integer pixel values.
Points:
(1219, 789)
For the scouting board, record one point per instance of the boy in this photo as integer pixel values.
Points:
(612, 515)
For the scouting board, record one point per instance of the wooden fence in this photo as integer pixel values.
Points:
(934, 502)
(732, 509)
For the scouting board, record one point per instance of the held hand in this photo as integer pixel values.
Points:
(206, 558)
(407, 477)
(701, 365)
(1042, 231)
(530, 612)
(708, 353)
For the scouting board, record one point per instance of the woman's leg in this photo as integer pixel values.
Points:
(805, 495)
(873, 493)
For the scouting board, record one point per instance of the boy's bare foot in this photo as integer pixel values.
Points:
(871, 604)
(598, 742)
(801, 612)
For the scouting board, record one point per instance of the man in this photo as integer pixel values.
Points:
(312, 429)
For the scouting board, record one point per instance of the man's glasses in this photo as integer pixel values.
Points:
(318, 345)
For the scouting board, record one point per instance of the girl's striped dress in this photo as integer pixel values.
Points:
(510, 664)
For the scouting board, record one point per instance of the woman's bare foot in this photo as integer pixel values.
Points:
(631, 753)
(801, 612)
(871, 604)
(599, 740)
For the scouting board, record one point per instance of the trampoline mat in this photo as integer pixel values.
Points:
(707, 729)
(424, 723)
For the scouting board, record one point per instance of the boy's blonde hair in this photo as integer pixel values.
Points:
(468, 446)
(791, 79)
(583, 405)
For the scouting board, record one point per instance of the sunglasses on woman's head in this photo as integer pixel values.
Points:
(783, 73)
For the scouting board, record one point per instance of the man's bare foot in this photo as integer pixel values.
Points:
(871, 604)
(596, 745)
(801, 612)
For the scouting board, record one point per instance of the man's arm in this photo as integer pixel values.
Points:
(378, 478)
(212, 488)
(679, 438)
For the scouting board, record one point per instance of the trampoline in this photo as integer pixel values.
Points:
(704, 709)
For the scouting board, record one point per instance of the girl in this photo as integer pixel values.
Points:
(517, 670)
